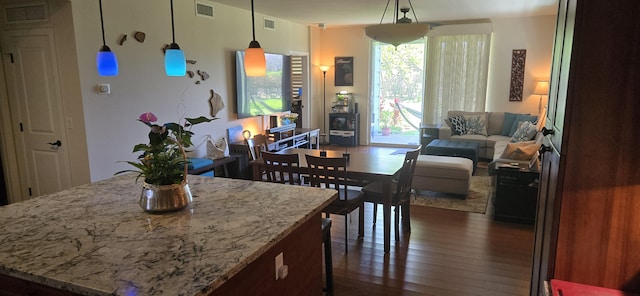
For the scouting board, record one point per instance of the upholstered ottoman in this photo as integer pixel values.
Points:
(454, 148)
(443, 174)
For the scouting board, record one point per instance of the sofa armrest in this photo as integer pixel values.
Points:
(444, 133)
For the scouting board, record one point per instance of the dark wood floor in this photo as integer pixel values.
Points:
(446, 253)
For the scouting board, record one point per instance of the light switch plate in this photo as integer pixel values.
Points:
(104, 89)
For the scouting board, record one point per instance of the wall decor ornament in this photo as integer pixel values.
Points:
(518, 58)
(344, 71)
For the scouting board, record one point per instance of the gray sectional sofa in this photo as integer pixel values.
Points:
(496, 134)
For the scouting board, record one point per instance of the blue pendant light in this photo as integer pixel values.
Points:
(175, 64)
(255, 63)
(106, 59)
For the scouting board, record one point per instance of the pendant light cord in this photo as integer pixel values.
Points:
(173, 32)
(104, 43)
(253, 24)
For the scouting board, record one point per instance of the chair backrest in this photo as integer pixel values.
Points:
(327, 172)
(257, 145)
(282, 168)
(406, 173)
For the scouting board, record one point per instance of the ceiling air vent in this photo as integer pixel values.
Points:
(204, 9)
(35, 12)
(269, 24)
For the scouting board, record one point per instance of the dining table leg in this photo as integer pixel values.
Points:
(386, 209)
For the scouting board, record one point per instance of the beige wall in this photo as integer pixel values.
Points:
(142, 86)
(535, 34)
(532, 33)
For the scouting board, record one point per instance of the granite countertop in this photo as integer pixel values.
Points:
(96, 240)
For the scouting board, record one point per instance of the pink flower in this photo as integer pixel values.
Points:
(148, 117)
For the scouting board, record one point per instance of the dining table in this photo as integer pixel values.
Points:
(361, 166)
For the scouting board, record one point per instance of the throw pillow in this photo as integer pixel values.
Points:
(457, 125)
(522, 117)
(525, 132)
(520, 151)
(509, 118)
(475, 124)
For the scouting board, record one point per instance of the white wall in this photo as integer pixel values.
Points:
(142, 86)
(532, 33)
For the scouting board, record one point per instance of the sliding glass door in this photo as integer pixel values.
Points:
(397, 88)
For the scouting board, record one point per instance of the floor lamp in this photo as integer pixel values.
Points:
(324, 70)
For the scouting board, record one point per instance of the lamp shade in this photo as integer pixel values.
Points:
(542, 88)
(324, 68)
(175, 64)
(397, 33)
(255, 63)
(106, 62)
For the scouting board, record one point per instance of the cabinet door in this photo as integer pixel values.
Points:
(548, 204)
(587, 223)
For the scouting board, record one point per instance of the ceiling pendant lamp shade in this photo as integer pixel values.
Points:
(400, 31)
(105, 59)
(175, 64)
(255, 63)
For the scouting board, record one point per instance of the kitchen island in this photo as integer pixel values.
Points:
(96, 240)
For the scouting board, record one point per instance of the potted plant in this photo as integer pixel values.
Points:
(163, 164)
(386, 119)
(288, 118)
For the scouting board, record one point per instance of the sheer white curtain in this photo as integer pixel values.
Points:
(456, 76)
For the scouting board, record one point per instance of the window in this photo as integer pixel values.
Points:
(457, 70)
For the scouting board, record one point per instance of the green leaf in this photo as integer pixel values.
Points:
(200, 119)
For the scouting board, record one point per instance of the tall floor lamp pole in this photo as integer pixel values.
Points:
(324, 70)
(324, 106)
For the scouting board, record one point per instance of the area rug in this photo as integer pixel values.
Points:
(476, 200)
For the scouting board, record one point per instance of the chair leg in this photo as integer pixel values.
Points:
(375, 213)
(397, 221)
(361, 221)
(346, 234)
(328, 260)
(406, 216)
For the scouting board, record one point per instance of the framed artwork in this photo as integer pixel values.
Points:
(518, 58)
(344, 71)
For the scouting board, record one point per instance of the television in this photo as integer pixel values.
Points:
(263, 95)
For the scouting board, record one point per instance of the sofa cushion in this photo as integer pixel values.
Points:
(457, 125)
(475, 124)
(495, 121)
(509, 118)
(520, 151)
(525, 132)
(519, 118)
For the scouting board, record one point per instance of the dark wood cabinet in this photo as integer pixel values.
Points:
(344, 129)
(587, 224)
(516, 194)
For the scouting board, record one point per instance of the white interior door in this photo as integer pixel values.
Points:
(37, 118)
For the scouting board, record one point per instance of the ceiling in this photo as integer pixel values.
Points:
(363, 12)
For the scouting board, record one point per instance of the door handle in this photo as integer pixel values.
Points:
(543, 149)
(56, 143)
(546, 131)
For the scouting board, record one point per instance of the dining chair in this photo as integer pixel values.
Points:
(326, 172)
(282, 168)
(400, 190)
(257, 145)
